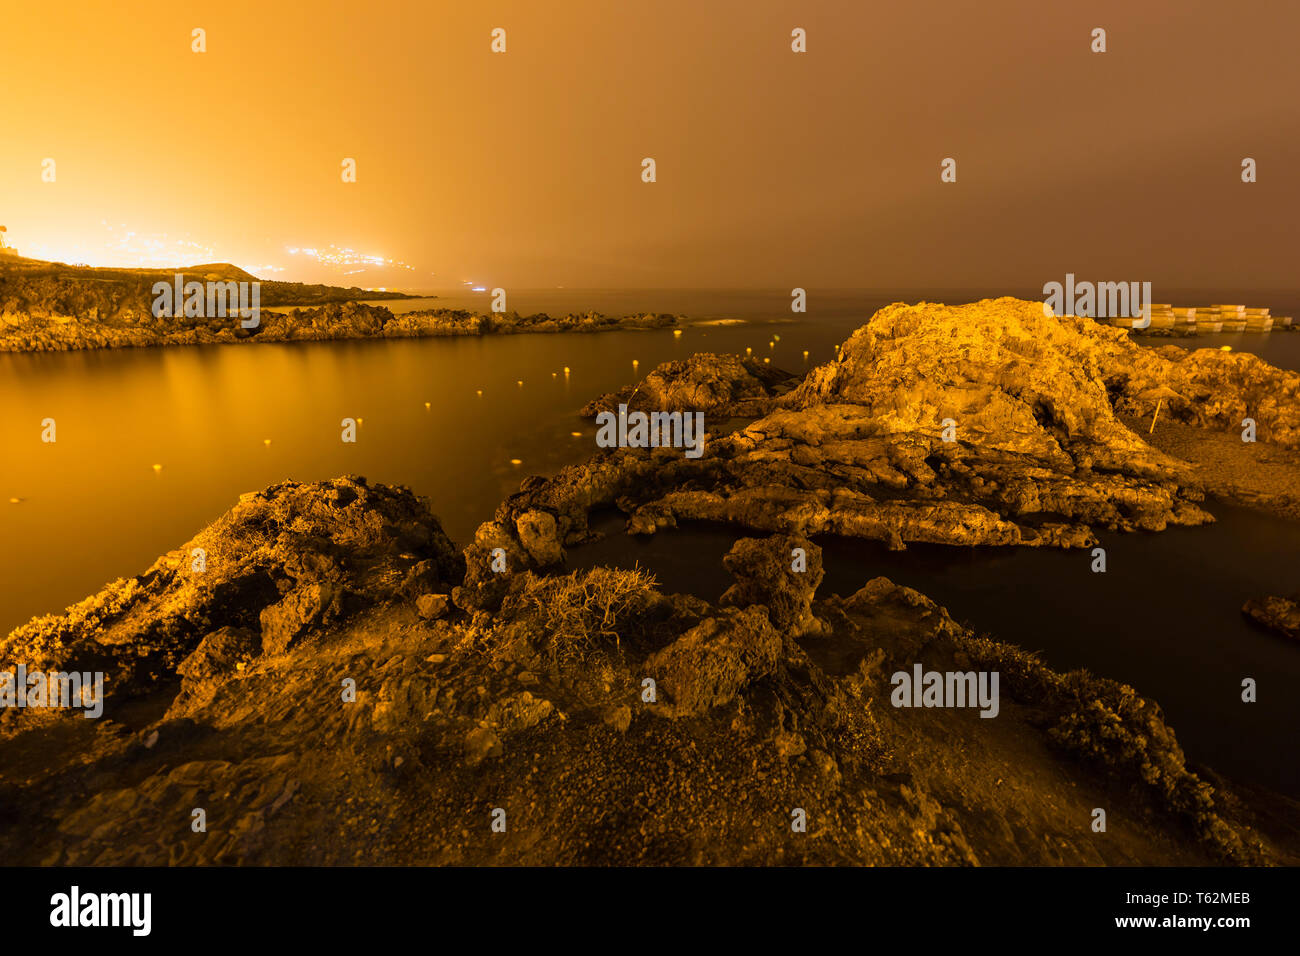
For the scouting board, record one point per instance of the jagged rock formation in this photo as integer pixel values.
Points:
(282, 566)
(983, 424)
(1280, 614)
(1003, 365)
(232, 696)
(705, 382)
(1212, 389)
(782, 573)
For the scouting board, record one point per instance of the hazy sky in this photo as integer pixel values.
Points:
(775, 169)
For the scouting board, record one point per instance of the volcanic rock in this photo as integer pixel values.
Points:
(1279, 614)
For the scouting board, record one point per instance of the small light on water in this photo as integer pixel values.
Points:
(1225, 348)
(566, 371)
(157, 468)
(805, 355)
(519, 382)
(776, 337)
(677, 333)
(576, 434)
(516, 461)
(428, 405)
(266, 441)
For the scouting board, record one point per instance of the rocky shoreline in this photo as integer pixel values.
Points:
(339, 683)
(350, 320)
(49, 307)
(228, 692)
(984, 424)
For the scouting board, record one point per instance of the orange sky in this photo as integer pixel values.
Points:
(774, 169)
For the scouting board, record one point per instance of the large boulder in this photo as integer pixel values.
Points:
(726, 385)
(782, 573)
(709, 665)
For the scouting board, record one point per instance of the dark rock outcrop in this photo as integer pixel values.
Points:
(782, 573)
(1280, 614)
(714, 384)
(285, 564)
(712, 662)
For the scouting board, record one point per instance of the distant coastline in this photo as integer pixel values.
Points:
(53, 307)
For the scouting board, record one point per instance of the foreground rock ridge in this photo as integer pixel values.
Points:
(336, 682)
(228, 693)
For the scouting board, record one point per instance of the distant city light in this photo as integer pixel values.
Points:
(345, 256)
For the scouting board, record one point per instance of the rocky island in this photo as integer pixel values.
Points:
(1279, 614)
(984, 424)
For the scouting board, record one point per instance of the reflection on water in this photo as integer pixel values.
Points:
(841, 308)
(94, 509)
(1281, 349)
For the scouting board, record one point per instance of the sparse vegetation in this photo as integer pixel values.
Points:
(577, 610)
(1111, 725)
